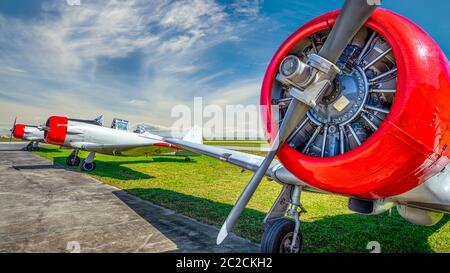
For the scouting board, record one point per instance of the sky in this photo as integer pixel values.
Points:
(137, 59)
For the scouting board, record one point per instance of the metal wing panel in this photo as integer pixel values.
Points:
(124, 150)
(246, 161)
(35, 139)
(243, 160)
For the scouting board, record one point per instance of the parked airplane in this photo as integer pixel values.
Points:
(90, 135)
(31, 133)
(363, 96)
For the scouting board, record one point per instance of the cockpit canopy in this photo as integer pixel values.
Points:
(140, 129)
(119, 124)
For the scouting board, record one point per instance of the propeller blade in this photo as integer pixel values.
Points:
(12, 130)
(296, 111)
(353, 16)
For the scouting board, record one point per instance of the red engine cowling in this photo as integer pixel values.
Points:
(56, 130)
(409, 146)
(19, 131)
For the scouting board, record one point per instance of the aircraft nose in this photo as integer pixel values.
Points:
(56, 130)
(19, 131)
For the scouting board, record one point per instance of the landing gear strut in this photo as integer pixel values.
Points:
(73, 159)
(32, 146)
(283, 235)
(88, 164)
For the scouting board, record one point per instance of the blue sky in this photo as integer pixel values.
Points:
(136, 59)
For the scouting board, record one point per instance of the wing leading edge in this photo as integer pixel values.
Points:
(127, 149)
(243, 160)
(249, 162)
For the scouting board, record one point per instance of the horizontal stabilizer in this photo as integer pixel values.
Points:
(100, 120)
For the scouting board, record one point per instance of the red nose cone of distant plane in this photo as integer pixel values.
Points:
(19, 131)
(57, 130)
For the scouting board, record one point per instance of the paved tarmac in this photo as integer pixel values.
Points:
(46, 208)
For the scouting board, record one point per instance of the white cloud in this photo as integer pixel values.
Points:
(54, 63)
(247, 7)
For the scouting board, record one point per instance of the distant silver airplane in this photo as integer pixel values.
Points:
(92, 136)
(31, 133)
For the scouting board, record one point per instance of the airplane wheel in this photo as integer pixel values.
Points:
(278, 238)
(187, 159)
(29, 148)
(87, 167)
(73, 161)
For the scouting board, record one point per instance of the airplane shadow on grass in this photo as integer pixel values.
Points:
(118, 169)
(337, 233)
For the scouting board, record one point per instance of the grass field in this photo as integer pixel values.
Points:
(6, 139)
(205, 189)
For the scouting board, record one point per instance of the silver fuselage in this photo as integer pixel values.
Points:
(33, 133)
(111, 141)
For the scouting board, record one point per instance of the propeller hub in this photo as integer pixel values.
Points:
(345, 102)
(353, 105)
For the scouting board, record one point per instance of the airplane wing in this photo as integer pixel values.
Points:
(244, 148)
(149, 144)
(247, 161)
(127, 149)
(40, 139)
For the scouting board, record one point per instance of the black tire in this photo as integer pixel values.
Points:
(73, 161)
(187, 159)
(87, 167)
(278, 236)
(28, 148)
